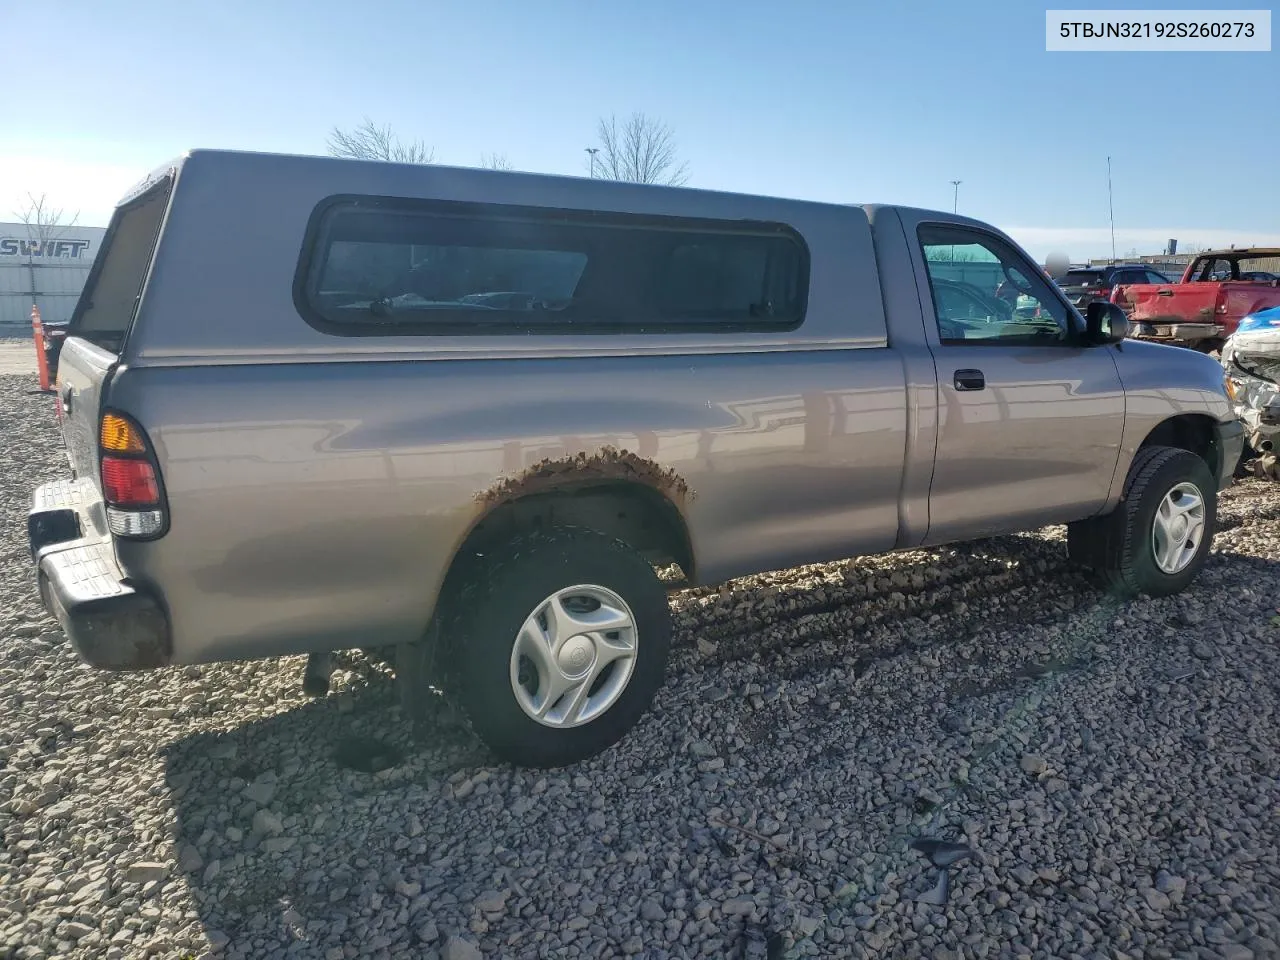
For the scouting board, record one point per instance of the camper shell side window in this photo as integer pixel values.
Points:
(384, 266)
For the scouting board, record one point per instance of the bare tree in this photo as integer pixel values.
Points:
(42, 221)
(45, 225)
(952, 255)
(495, 161)
(638, 150)
(372, 142)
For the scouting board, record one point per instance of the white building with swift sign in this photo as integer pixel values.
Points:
(46, 266)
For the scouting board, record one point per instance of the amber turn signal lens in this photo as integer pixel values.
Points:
(121, 436)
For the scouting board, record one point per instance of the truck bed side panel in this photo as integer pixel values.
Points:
(317, 505)
(320, 484)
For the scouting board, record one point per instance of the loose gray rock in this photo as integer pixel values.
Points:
(652, 911)
(217, 940)
(1168, 883)
(261, 791)
(491, 901)
(146, 872)
(60, 811)
(264, 821)
(455, 948)
(1032, 764)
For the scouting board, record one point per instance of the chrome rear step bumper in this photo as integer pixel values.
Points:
(111, 623)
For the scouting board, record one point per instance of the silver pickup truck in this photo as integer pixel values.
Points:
(312, 404)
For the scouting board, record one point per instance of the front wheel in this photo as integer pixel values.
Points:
(557, 646)
(1156, 540)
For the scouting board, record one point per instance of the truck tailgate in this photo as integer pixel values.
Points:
(83, 369)
(1243, 299)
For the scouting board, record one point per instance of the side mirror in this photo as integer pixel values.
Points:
(1105, 322)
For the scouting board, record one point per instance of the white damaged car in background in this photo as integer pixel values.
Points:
(1251, 360)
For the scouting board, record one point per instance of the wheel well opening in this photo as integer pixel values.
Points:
(633, 513)
(1191, 432)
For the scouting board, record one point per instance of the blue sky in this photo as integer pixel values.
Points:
(844, 102)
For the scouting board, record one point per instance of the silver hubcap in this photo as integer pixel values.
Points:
(573, 656)
(1178, 528)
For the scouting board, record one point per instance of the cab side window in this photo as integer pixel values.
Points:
(985, 292)
(1217, 270)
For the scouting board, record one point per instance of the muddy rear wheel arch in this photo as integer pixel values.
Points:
(635, 513)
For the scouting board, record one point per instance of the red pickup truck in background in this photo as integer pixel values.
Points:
(1218, 290)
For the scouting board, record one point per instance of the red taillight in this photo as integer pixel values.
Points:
(129, 483)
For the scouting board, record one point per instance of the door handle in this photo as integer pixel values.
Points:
(970, 380)
(1164, 293)
(67, 396)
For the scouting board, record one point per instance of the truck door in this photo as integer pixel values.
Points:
(1030, 419)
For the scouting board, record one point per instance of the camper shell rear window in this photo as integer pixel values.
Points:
(384, 266)
(107, 305)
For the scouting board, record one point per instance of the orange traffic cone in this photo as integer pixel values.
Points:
(42, 356)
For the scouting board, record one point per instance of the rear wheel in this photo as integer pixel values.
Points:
(555, 648)
(1156, 540)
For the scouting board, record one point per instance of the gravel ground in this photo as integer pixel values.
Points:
(1112, 765)
(17, 356)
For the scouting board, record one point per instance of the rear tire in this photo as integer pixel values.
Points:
(1211, 347)
(556, 646)
(1156, 540)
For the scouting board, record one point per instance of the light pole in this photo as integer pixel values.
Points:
(955, 202)
(1112, 210)
(593, 151)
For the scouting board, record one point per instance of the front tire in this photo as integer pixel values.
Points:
(1156, 540)
(556, 647)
